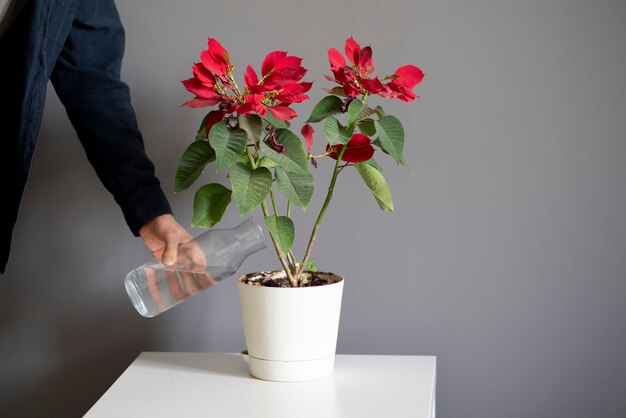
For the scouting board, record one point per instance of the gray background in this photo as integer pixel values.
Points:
(506, 256)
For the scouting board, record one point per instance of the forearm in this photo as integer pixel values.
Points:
(87, 80)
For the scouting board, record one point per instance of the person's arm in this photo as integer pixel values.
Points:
(86, 78)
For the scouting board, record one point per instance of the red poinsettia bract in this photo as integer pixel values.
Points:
(278, 87)
(359, 149)
(356, 79)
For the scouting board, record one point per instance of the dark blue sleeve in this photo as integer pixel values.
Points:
(86, 78)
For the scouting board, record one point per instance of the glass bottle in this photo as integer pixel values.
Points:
(202, 262)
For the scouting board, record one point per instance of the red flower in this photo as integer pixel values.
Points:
(279, 69)
(203, 86)
(216, 58)
(361, 58)
(252, 81)
(402, 83)
(359, 149)
(251, 103)
(293, 93)
(282, 112)
(212, 118)
(355, 79)
(307, 132)
(279, 86)
(201, 90)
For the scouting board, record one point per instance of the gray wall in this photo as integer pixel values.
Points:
(506, 256)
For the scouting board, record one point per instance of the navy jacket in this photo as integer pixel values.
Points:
(78, 45)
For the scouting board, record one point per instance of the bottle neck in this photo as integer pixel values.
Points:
(250, 237)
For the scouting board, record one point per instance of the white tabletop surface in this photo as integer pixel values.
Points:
(184, 385)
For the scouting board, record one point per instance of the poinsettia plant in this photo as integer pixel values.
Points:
(248, 135)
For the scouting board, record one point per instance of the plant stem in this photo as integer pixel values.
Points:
(283, 261)
(273, 200)
(281, 256)
(290, 254)
(329, 196)
(290, 258)
(230, 75)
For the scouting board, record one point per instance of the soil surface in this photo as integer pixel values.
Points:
(279, 279)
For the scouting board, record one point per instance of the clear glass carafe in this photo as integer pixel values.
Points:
(202, 262)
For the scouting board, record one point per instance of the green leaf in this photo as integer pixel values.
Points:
(266, 162)
(243, 159)
(297, 188)
(283, 231)
(250, 187)
(379, 111)
(202, 129)
(228, 144)
(391, 136)
(328, 106)
(374, 164)
(367, 127)
(209, 205)
(310, 266)
(377, 184)
(293, 159)
(336, 133)
(253, 125)
(276, 123)
(197, 155)
(357, 111)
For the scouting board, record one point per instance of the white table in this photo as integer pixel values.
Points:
(185, 385)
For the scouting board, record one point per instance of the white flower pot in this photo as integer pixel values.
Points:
(291, 333)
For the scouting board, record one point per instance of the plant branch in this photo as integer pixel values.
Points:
(232, 78)
(326, 154)
(290, 259)
(281, 256)
(273, 200)
(329, 196)
(290, 254)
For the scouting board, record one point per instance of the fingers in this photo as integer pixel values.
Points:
(181, 285)
(189, 283)
(153, 287)
(162, 235)
(177, 291)
(170, 251)
(193, 252)
(204, 281)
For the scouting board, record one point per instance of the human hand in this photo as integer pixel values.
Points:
(161, 236)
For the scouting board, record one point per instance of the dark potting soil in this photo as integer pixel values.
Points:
(278, 279)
